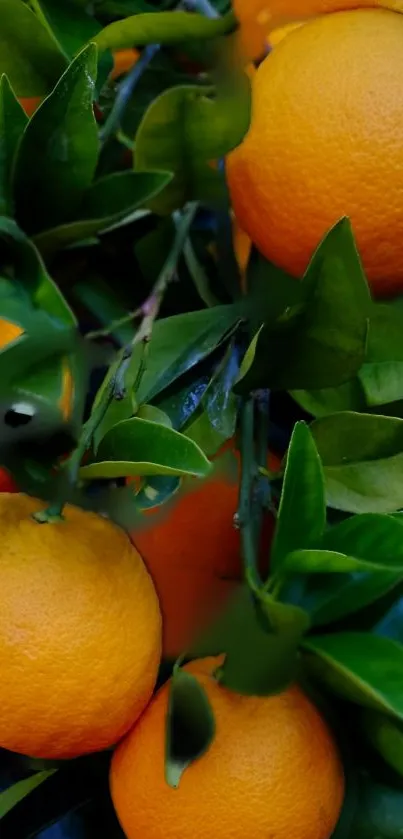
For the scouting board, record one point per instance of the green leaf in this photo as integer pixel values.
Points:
(178, 343)
(154, 414)
(386, 736)
(190, 725)
(216, 418)
(260, 639)
(371, 539)
(320, 403)
(379, 814)
(108, 201)
(363, 668)
(162, 28)
(321, 342)
(140, 447)
(330, 562)
(58, 153)
(29, 56)
(302, 513)
(370, 486)
(30, 272)
(184, 129)
(381, 376)
(10, 797)
(12, 123)
(348, 437)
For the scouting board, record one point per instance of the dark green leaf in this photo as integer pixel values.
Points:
(216, 418)
(382, 375)
(28, 54)
(10, 797)
(329, 562)
(302, 513)
(320, 403)
(363, 668)
(320, 343)
(183, 131)
(58, 154)
(379, 814)
(108, 201)
(71, 26)
(12, 123)
(386, 736)
(140, 447)
(163, 28)
(180, 342)
(260, 639)
(370, 486)
(190, 725)
(102, 301)
(30, 272)
(348, 437)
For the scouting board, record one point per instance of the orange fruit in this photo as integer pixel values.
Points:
(7, 483)
(259, 18)
(80, 632)
(272, 770)
(30, 104)
(192, 550)
(123, 61)
(324, 142)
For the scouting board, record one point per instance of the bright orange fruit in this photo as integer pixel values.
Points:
(80, 632)
(325, 141)
(273, 770)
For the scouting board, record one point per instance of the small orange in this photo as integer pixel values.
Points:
(30, 104)
(80, 632)
(123, 61)
(191, 547)
(324, 142)
(272, 770)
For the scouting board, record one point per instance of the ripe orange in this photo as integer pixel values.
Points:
(123, 61)
(80, 632)
(325, 141)
(273, 770)
(259, 18)
(7, 483)
(192, 550)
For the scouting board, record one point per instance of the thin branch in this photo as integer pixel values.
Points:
(125, 92)
(245, 515)
(204, 7)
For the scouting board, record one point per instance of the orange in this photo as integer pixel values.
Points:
(326, 141)
(123, 61)
(30, 104)
(259, 18)
(7, 483)
(192, 550)
(80, 632)
(273, 770)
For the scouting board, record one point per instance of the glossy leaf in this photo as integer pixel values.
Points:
(108, 201)
(190, 725)
(70, 26)
(30, 272)
(12, 123)
(381, 375)
(178, 343)
(370, 486)
(372, 539)
(164, 28)
(183, 131)
(140, 447)
(330, 562)
(321, 342)
(10, 797)
(58, 154)
(361, 667)
(215, 421)
(29, 55)
(320, 403)
(260, 640)
(301, 516)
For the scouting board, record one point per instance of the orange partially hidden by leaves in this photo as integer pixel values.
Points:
(123, 61)
(30, 104)
(80, 632)
(7, 483)
(325, 142)
(191, 547)
(272, 770)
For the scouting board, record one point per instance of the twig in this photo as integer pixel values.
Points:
(125, 92)
(151, 306)
(245, 515)
(204, 7)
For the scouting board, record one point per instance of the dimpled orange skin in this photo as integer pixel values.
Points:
(273, 771)
(80, 632)
(326, 140)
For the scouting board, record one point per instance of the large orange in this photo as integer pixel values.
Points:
(273, 770)
(80, 632)
(191, 547)
(326, 141)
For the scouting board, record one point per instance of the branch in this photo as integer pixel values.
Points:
(125, 92)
